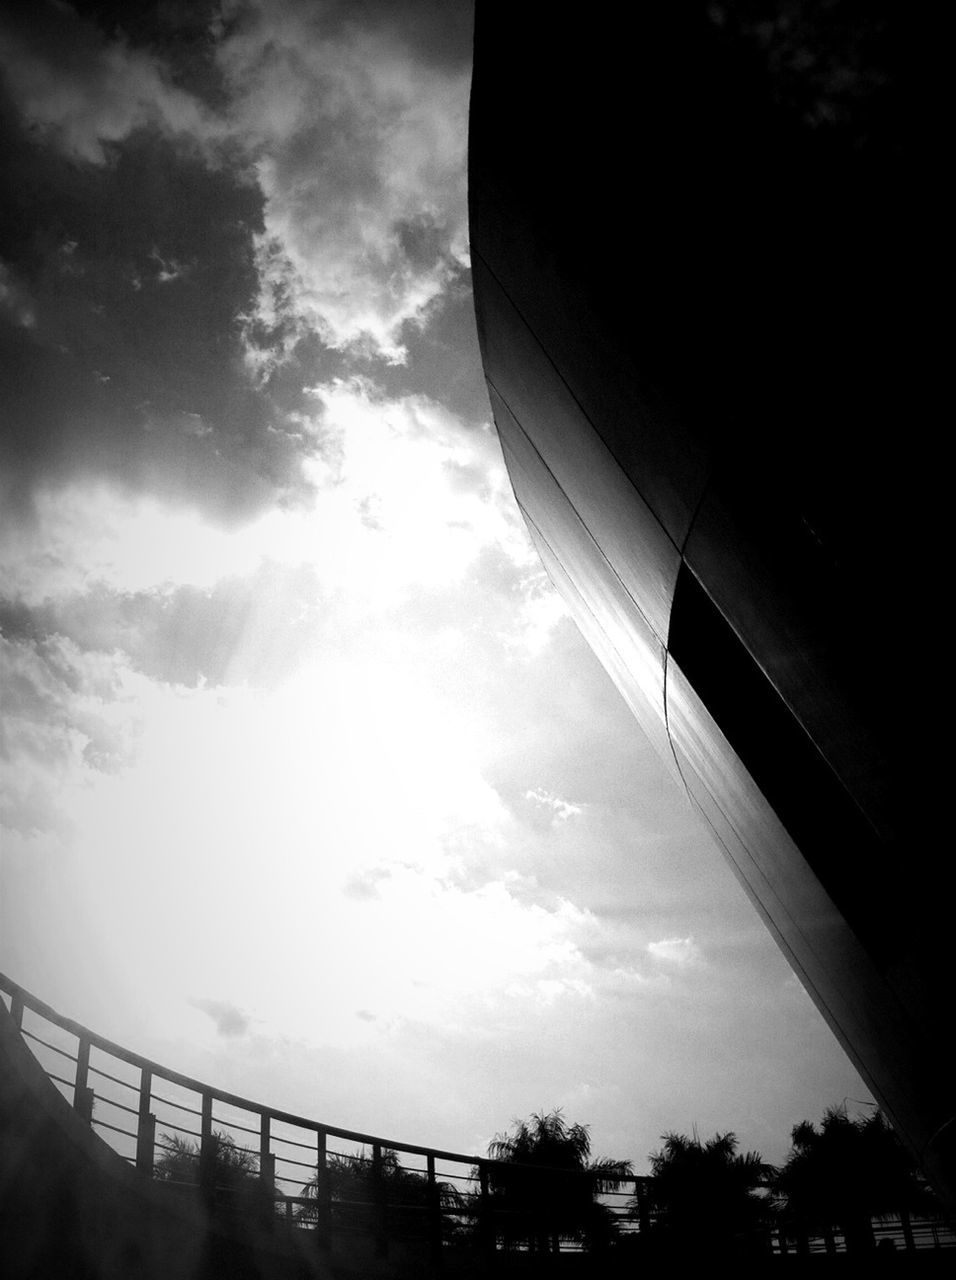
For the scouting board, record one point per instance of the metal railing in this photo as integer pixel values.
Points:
(313, 1176)
(321, 1178)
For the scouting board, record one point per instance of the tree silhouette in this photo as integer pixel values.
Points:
(705, 1197)
(359, 1190)
(230, 1179)
(546, 1191)
(843, 1175)
(232, 1166)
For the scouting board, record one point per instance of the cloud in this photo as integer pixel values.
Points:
(82, 93)
(361, 142)
(229, 1020)
(676, 951)
(319, 208)
(14, 300)
(67, 714)
(429, 493)
(560, 810)
(402, 495)
(123, 376)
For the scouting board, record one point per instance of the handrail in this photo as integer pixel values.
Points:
(323, 1212)
(30, 1001)
(439, 1209)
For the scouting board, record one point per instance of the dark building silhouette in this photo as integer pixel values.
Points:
(703, 274)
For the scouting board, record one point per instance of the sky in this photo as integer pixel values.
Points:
(311, 789)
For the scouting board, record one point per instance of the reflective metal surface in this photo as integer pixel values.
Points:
(522, 377)
(703, 287)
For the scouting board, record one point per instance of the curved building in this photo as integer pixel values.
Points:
(701, 274)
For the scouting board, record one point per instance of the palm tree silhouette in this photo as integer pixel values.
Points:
(544, 1186)
(231, 1166)
(705, 1197)
(359, 1189)
(227, 1175)
(843, 1175)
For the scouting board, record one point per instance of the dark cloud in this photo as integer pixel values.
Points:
(444, 357)
(438, 32)
(180, 32)
(163, 311)
(229, 1020)
(135, 275)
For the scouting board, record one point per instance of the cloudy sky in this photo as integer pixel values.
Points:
(311, 789)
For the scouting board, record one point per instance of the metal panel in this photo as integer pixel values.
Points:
(606, 613)
(522, 376)
(905, 1071)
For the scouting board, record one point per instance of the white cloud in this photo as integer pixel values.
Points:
(542, 609)
(85, 533)
(66, 714)
(676, 951)
(362, 149)
(404, 495)
(358, 144)
(561, 809)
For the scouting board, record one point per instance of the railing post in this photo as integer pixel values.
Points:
(145, 1125)
(16, 1008)
(82, 1094)
(207, 1154)
(434, 1211)
(906, 1224)
(487, 1235)
(379, 1191)
(323, 1192)
(640, 1195)
(267, 1170)
(267, 1161)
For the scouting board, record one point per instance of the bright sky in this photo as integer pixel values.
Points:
(311, 789)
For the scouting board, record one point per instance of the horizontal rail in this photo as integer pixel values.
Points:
(30, 1035)
(180, 1106)
(244, 1128)
(38, 1006)
(98, 1071)
(104, 1124)
(111, 1102)
(446, 1210)
(168, 1124)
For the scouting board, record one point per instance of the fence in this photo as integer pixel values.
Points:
(314, 1176)
(335, 1182)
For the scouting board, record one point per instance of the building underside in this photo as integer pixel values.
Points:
(703, 272)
